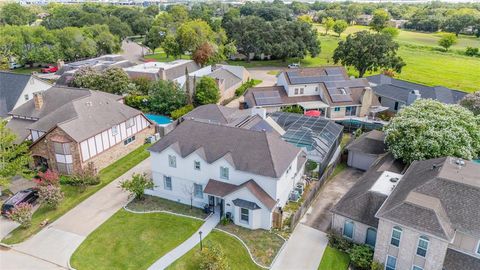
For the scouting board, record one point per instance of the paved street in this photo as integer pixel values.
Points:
(318, 215)
(57, 242)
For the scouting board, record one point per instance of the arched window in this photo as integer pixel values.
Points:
(348, 229)
(396, 235)
(371, 237)
(422, 246)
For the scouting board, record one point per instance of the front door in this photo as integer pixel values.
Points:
(211, 200)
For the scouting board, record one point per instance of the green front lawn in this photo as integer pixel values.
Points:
(152, 203)
(235, 253)
(334, 259)
(25, 70)
(263, 244)
(132, 241)
(73, 196)
(161, 56)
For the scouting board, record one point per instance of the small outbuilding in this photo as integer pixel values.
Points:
(366, 149)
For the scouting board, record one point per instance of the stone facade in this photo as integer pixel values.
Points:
(406, 252)
(45, 148)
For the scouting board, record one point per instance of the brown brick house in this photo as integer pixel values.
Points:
(70, 128)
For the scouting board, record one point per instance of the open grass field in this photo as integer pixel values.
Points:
(235, 254)
(132, 241)
(334, 259)
(73, 195)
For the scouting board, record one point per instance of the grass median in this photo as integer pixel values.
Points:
(73, 195)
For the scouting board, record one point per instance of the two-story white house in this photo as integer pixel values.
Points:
(70, 128)
(247, 174)
(328, 90)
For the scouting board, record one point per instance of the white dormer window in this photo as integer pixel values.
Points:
(114, 130)
(196, 165)
(224, 173)
(296, 91)
(26, 97)
(172, 161)
(301, 91)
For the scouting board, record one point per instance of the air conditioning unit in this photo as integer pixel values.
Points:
(294, 196)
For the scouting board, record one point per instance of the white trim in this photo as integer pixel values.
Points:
(399, 239)
(477, 250)
(418, 245)
(413, 267)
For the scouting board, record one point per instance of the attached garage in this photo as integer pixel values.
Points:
(366, 149)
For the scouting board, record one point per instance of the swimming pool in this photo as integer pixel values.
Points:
(159, 119)
(476, 160)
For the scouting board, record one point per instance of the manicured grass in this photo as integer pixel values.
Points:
(73, 196)
(152, 203)
(334, 259)
(132, 241)
(263, 244)
(161, 56)
(235, 253)
(25, 70)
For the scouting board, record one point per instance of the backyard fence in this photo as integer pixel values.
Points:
(312, 193)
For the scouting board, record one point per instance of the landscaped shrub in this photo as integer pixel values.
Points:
(22, 213)
(50, 195)
(311, 165)
(181, 111)
(85, 177)
(339, 242)
(293, 109)
(361, 256)
(376, 265)
(139, 102)
(47, 178)
(212, 258)
(137, 185)
(248, 84)
(470, 51)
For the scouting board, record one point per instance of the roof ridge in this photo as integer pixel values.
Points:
(270, 153)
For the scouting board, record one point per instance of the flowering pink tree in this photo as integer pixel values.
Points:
(50, 195)
(22, 213)
(47, 178)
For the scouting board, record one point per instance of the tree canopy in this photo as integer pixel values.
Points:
(165, 97)
(379, 20)
(447, 41)
(14, 159)
(206, 91)
(430, 129)
(16, 14)
(111, 80)
(366, 51)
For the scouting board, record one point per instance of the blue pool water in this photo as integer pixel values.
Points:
(477, 160)
(159, 119)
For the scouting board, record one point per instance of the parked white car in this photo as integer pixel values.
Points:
(294, 65)
(13, 65)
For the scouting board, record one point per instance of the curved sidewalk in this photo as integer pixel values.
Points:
(186, 246)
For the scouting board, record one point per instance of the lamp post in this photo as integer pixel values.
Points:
(200, 233)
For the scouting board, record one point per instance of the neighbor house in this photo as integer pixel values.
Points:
(394, 93)
(242, 168)
(228, 78)
(328, 90)
(364, 19)
(162, 70)
(16, 89)
(366, 149)
(66, 71)
(424, 219)
(70, 128)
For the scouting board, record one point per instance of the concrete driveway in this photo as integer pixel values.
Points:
(6, 226)
(57, 242)
(318, 215)
(303, 251)
(262, 74)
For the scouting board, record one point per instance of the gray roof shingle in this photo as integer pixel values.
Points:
(445, 195)
(369, 143)
(398, 90)
(455, 260)
(258, 152)
(11, 87)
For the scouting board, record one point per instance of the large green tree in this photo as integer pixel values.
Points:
(379, 20)
(429, 129)
(190, 35)
(14, 158)
(340, 26)
(155, 37)
(367, 51)
(165, 97)
(206, 91)
(16, 14)
(460, 19)
(112, 80)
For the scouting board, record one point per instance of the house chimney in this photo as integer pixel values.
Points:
(38, 100)
(367, 98)
(412, 96)
(162, 74)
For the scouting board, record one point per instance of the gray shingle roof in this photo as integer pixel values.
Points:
(81, 113)
(19, 127)
(455, 260)
(228, 77)
(399, 90)
(258, 152)
(445, 195)
(246, 204)
(11, 87)
(369, 143)
(216, 113)
(360, 203)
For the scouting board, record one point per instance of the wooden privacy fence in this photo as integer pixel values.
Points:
(312, 194)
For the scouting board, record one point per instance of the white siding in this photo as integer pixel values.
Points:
(105, 140)
(91, 147)
(84, 149)
(98, 143)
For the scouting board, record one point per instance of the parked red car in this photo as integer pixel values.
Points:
(49, 69)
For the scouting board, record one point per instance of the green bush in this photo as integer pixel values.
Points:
(339, 242)
(137, 185)
(376, 265)
(248, 84)
(212, 258)
(137, 102)
(361, 256)
(470, 51)
(311, 165)
(293, 109)
(181, 111)
(85, 177)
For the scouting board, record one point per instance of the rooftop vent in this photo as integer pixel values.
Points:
(394, 179)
